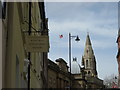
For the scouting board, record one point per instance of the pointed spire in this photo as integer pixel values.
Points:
(88, 59)
(88, 51)
(88, 42)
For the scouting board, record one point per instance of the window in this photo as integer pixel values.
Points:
(87, 51)
(86, 63)
(88, 72)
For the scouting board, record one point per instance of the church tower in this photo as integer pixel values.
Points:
(88, 59)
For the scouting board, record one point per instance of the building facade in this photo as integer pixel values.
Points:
(118, 43)
(118, 57)
(19, 20)
(58, 75)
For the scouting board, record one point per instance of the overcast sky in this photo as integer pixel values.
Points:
(78, 18)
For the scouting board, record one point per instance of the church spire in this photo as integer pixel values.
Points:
(88, 59)
(88, 51)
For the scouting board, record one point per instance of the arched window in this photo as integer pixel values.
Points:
(86, 63)
(87, 51)
(88, 72)
(85, 72)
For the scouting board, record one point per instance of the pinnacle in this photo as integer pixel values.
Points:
(88, 42)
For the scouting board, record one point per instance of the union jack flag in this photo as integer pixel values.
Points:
(61, 36)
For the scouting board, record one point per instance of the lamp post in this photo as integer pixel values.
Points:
(77, 39)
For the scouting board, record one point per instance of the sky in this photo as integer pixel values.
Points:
(100, 19)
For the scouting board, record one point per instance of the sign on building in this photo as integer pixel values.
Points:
(37, 43)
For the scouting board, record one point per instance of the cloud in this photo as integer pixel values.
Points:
(82, 27)
(81, 11)
(103, 44)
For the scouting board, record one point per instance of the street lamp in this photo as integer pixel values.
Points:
(77, 39)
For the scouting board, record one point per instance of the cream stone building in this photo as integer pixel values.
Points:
(58, 75)
(17, 19)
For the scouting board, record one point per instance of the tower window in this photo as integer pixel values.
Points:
(85, 72)
(86, 63)
(88, 72)
(87, 50)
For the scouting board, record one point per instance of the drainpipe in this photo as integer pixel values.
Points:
(29, 54)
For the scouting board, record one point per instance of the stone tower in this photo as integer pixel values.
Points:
(88, 59)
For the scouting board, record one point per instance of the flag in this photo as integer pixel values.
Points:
(61, 36)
